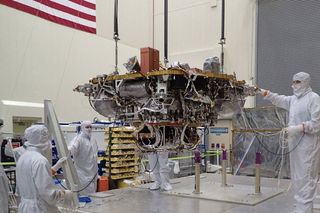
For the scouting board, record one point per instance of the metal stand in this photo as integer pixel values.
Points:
(69, 170)
(258, 177)
(197, 160)
(224, 168)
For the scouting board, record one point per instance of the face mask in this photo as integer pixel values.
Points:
(87, 131)
(298, 89)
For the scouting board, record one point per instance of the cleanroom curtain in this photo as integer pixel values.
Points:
(288, 41)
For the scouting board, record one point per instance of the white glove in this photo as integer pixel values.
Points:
(68, 199)
(292, 130)
(8, 150)
(262, 92)
(176, 168)
(68, 195)
(59, 164)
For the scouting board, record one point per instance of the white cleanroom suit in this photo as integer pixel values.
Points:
(17, 152)
(158, 163)
(35, 184)
(303, 131)
(14, 153)
(84, 153)
(4, 188)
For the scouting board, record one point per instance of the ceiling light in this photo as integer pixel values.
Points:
(22, 103)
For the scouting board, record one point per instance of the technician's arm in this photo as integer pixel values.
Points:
(8, 151)
(313, 126)
(74, 146)
(281, 101)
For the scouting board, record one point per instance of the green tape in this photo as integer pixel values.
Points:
(8, 163)
(209, 153)
(217, 152)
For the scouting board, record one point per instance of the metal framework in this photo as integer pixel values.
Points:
(69, 170)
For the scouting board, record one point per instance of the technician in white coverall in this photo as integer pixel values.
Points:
(4, 191)
(34, 181)
(84, 154)
(17, 152)
(158, 163)
(303, 133)
(4, 185)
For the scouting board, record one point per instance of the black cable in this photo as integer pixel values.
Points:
(263, 145)
(286, 153)
(153, 167)
(77, 190)
(206, 130)
(60, 183)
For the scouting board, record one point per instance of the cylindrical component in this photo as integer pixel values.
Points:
(258, 177)
(197, 156)
(224, 154)
(134, 89)
(197, 179)
(258, 157)
(197, 161)
(222, 60)
(230, 159)
(258, 181)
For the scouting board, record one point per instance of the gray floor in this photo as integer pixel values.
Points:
(142, 200)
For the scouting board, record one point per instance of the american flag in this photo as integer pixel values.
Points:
(78, 14)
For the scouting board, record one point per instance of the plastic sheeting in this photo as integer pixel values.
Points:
(257, 130)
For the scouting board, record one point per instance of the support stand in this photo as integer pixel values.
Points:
(258, 177)
(224, 168)
(197, 161)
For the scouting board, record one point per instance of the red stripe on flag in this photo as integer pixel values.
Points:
(67, 10)
(47, 16)
(19, 6)
(84, 3)
(66, 22)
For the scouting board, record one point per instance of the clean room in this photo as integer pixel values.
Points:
(159, 106)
